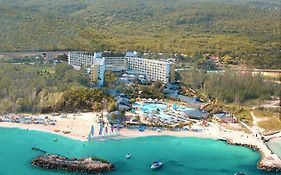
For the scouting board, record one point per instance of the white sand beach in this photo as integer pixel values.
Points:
(79, 126)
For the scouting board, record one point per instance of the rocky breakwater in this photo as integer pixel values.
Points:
(83, 165)
(269, 164)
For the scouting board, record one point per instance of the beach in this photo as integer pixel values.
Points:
(79, 126)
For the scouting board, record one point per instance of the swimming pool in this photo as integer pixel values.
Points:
(149, 107)
(182, 108)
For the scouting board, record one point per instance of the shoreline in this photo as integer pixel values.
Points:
(79, 130)
(125, 133)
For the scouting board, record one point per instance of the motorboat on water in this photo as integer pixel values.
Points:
(128, 156)
(156, 165)
(240, 173)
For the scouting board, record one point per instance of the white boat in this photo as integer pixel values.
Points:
(156, 165)
(128, 156)
(240, 173)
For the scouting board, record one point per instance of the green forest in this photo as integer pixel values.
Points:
(46, 88)
(231, 87)
(246, 30)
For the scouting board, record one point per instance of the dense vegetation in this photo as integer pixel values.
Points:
(46, 88)
(84, 99)
(246, 31)
(151, 90)
(231, 87)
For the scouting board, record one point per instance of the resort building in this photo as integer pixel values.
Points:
(196, 114)
(153, 70)
(116, 64)
(148, 69)
(95, 64)
(80, 59)
(97, 71)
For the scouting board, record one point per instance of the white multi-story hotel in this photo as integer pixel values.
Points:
(116, 64)
(93, 62)
(97, 71)
(152, 70)
(80, 59)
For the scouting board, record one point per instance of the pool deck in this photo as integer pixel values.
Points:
(167, 111)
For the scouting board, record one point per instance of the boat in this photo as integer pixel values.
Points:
(240, 173)
(39, 150)
(128, 156)
(156, 165)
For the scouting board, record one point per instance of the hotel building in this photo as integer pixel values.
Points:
(116, 64)
(151, 70)
(97, 71)
(81, 59)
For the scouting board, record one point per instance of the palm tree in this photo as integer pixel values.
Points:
(190, 123)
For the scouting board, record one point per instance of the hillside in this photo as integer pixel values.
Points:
(248, 31)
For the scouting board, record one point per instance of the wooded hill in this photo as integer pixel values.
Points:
(246, 30)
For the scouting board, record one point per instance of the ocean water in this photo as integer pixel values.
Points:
(181, 156)
(275, 146)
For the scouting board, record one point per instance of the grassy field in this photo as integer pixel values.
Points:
(265, 112)
(270, 119)
(245, 117)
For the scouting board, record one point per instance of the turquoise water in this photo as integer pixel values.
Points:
(181, 156)
(182, 108)
(149, 107)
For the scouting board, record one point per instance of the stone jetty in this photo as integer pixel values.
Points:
(83, 165)
(269, 163)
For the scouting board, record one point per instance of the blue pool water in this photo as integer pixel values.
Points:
(149, 107)
(181, 156)
(182, 108)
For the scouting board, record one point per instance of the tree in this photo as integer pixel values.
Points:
(111, 106)
(226, 59)
(110, 77)
(158, 85)
(113, 117)
(97, 106)
(63, 58)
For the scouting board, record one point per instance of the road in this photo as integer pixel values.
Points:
(50, 54)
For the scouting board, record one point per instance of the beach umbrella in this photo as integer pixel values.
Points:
(89, 137)
(106, 129)
(101, 127)
(92, 130)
